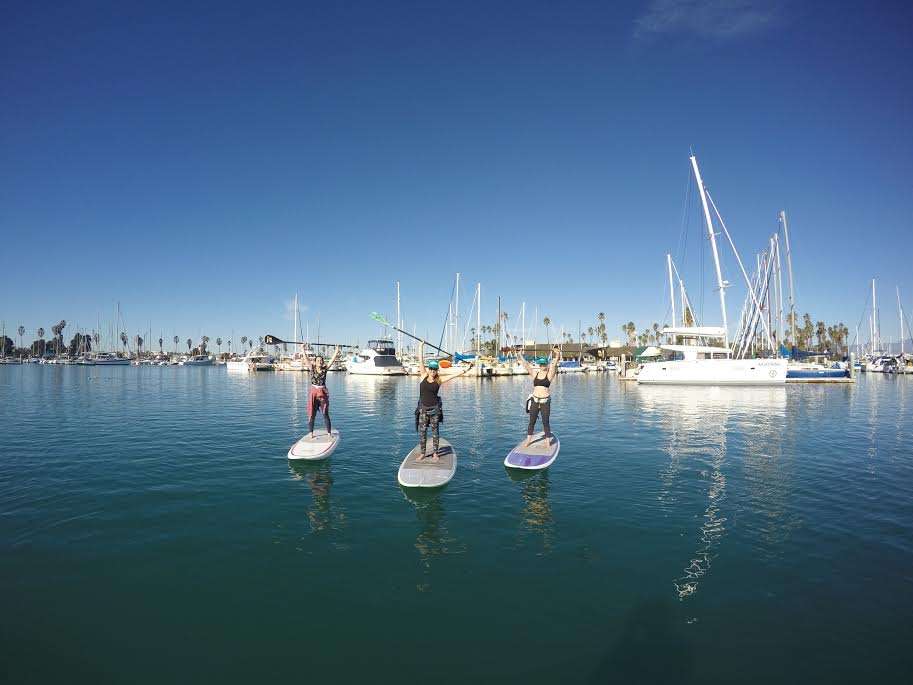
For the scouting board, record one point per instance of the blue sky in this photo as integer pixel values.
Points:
(201, 162)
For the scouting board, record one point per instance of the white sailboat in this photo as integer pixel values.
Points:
(704, 351)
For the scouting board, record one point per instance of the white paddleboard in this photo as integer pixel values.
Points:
(425, 474)
(539, 455)
(320, 447)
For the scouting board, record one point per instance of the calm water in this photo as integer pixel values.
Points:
(152, 530)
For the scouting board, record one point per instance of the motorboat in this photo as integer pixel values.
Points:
(571, 366)
(252, 361)
(377, 359)
(198, 360)
(109, 359)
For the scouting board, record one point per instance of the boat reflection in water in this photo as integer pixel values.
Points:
(698, 425)
(537, 515)
(319, 479)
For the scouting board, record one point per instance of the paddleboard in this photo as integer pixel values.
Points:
(320, 447)
(424, 474)
(539, 455)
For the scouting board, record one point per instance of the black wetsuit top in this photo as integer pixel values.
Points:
(428, 393)
(544, 382)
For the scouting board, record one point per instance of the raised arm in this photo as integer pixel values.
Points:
(307, 359)
(522, 360)
(553, 366)
(334, 358)
(422, 371)
(457, 375)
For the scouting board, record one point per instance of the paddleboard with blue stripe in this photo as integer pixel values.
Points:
(539, 455)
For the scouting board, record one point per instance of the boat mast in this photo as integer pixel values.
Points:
(456, 315)
(789, 268)
(716, 256)
(876, 343)
(295, 327)
(479, 322)
(399, 323)
(900, 313)
(671, 288)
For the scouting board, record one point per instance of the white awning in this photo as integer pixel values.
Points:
(704, 349)
(703, 331)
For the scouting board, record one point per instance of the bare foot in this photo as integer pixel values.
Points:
(434, 459)
(313, 436)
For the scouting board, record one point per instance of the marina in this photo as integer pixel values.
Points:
(456, 342)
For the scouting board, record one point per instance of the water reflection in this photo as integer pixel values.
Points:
(433, 539)
(319, 478)
(695, 423)
(537, 519)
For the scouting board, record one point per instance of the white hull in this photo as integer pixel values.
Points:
(368, 369)
(714, 372)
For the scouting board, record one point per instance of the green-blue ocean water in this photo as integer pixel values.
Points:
(152, 530)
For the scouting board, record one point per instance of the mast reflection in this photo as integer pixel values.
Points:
(696, 423)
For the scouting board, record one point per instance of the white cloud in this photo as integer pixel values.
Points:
(719, 19)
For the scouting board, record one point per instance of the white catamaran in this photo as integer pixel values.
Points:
(704, 356)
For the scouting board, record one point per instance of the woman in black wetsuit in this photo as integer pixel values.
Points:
(429, 402)
(540, 401)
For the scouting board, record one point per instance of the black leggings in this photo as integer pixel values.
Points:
(427, 418)
(325, 408)
(534, 410)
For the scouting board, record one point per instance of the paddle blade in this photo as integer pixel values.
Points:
(272, 340)
(379, 319)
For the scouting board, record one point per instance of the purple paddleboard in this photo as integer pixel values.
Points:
(539, 455)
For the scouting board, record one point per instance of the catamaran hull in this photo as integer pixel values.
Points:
(714, 372)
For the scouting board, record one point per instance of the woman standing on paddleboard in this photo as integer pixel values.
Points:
(540, 401)
(319, 397)
(430, 412)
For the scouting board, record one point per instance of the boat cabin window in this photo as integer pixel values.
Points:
(385, 360)
(382, 346)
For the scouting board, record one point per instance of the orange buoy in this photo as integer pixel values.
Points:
(444, 363)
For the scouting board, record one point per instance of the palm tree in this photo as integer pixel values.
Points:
(160, 345)
(21, 332)
(95, 339)
(632, 331)
(123, 340)
(219, 345)
(250, 344)
(139, 345)
(41, 338)
(547, 322)
(189, 344)
(204, 344)
(243, 341)
(60, 326)
(176, 341)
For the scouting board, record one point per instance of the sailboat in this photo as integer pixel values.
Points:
(705, 354)
(296, 361)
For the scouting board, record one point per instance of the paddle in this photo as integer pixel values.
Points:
(273, 340)
(382, 321)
